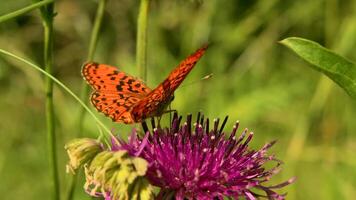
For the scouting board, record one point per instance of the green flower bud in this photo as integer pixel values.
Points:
(81, 151)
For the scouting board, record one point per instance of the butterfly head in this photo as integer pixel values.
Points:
(152, 108)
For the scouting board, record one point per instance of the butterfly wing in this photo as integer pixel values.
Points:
(176, 77)
(156, 101)
(115, 92)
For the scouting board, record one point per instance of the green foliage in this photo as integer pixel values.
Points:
(339, 69)
(255, 81)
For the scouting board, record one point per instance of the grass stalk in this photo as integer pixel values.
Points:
(96, 28)
(85, 88)
(92, 47)
(24, 10)
(141, 43)
(62, 86)
(47, 13)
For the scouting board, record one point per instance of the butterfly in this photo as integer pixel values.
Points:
(126, 99)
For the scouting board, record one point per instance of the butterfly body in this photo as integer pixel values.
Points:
(126, 99)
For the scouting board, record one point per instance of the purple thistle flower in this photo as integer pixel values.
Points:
(194, 162)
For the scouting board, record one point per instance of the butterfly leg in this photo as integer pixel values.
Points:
(170, 116)
(165, 112)
(169, 111)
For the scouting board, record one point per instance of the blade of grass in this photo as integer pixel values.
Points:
(24, 10)
(95, 32)
(141, 43)
(92, 47)
(61, 85)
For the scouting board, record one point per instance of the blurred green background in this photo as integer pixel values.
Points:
(257, 81)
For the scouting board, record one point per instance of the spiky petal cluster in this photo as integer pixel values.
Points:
(195, 162)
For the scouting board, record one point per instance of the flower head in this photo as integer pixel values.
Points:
(114, 175)
(195, 162)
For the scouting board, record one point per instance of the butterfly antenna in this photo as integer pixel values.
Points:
(197, 81)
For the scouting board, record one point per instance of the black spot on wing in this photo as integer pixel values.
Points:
(130, 81)
(132, 90)
(119, 88)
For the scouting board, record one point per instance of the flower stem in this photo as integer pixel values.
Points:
(24, 10)
(47, 13)
(85, 88)
(51, 135)
(141, 44)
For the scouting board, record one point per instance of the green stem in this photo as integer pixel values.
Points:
(95, 32)
(47, 18)
(141, 47)
(24, 10)
(85, 88)
(62, 86)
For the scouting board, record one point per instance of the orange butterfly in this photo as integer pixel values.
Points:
(126, 99)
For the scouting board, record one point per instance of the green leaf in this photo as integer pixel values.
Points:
(336, 67)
